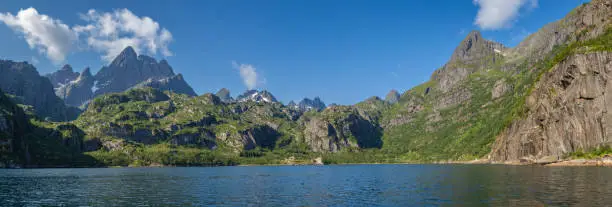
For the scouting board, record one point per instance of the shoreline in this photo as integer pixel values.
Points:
(579, 162)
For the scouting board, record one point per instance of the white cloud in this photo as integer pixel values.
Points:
(110, 33)
(41, 32)
(249, 75)
(497, 14)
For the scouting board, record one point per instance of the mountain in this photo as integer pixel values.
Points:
(175, 84)
(538, 102)
(63, 76)
(256, 96)
(224, 95)
(392, 97)
(307, 104)
(128, 70)
(78, 91)
(26, 143)
(509, 104)
(23, 81)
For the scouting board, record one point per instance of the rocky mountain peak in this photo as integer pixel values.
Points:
(127, 54)
(66, 67)
(175, 84)
(257, 96)
(474, 46)
(473, 54)
(128, 69)
(86, 73)
(62, 76)
(224, 95)
(311, 104)
(392, 97)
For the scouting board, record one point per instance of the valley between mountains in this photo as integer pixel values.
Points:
(546, 100)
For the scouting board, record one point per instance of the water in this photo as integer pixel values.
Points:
(343, 185)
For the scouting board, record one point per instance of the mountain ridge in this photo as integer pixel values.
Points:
(536, 102)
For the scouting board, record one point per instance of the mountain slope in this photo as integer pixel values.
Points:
(26, 141)
(23, 81)
(467, 104)
(78, 91)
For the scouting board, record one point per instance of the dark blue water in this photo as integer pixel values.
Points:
(343, 185)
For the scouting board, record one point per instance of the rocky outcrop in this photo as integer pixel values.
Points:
(340, 128)
(63, 76)
(175, 84)
(473, 54)
(307, 104)
(457, 96)
(392, 97)
(262, 136)
(22, 80)
(224, 95)
(13, 126)
(500, 88)
(585, 22)
(133, 133)
(569, 110)
(257, 96)
(202, 138)
(78, 91)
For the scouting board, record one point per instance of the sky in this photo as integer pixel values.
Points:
(343, 51)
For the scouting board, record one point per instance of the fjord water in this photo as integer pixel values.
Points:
(339, 185)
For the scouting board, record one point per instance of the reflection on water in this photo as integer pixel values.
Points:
(343, 185)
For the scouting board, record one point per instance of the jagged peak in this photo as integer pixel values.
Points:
(66, 67)
(474, 46)
(128, 51)
(257, 96)
(393, 96)
(86, 72)
(125, 56)
(223, 90)
(146, 58)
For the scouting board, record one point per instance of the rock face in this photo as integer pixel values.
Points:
(78, 91)
(392, 97)
(473, 54)
(25, 144)
(63, 76)
(585, 22)
(569, 110)
(500, 88)
(257, 96)
(128, 70)
(224, 95)
(13, 126)
(200, 139)
(175, 84)
(310, 104)
(22, 80)
(340, 128)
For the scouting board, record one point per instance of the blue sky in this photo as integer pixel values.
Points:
(342, 50)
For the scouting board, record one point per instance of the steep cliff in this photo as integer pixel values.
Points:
(23, 81)
(567, 111)
(78, 91)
